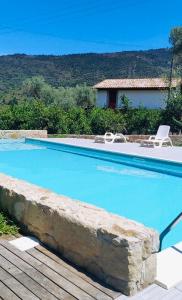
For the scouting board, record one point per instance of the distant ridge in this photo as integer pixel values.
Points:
(72, 69)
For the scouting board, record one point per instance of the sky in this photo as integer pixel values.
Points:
(82, 26)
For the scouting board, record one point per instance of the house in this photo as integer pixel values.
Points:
(146, 92)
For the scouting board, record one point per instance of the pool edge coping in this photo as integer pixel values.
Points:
(108, 151)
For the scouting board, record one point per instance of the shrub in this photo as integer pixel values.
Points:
(143, 121)
(36, 114)
(78, 122)
(57, 120)
(6, 225)
(6, 117)
(173, 112)
(102, 120)
(29, 115)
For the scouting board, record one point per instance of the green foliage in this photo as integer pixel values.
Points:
(173, 112)
(38, 105)
(84, 96)
(143, 121)
(176, 43)
(176, 39)
(7, 226)
(72, 70)
(125, 103)
(36, 88)
(65, 97)
(6, 117)
(30, 115)
(56, 119)
(102, 120)
(78, 122)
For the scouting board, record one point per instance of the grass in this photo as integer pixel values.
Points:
(7, 226)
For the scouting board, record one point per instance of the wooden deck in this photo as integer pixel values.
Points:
(40, 274)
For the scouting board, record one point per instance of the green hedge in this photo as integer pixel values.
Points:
(144, 121)
(37, 115)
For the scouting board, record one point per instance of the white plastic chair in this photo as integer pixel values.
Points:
(162, 137)
(120, 136)
(109, 138)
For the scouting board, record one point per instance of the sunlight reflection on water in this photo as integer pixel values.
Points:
(131, 172)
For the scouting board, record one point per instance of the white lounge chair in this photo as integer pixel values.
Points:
(109, 138)
(160, 139)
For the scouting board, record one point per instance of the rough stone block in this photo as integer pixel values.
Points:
(119, 251)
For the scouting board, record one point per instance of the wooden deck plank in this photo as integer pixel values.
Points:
(15, 286)
(36, 275)
(63, 283)
(6, 293)
(41, 274)
(32, 262)
(4, 275)
(76, 270)
(6, 265)
(21, 259)
(72, 277)
(51, 286)
(38, 290)
(29, 283)
(19, 289)
(11, 282)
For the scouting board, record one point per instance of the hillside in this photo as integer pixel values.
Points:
(69, 70)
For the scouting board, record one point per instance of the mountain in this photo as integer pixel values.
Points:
(69, 70)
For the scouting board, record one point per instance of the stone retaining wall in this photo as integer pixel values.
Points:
(16, 134)
(116, 250)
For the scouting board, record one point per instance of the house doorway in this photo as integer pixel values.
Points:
(112, 98)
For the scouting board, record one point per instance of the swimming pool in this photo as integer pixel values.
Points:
(146, 190)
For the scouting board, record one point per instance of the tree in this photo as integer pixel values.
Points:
(173, 112)
(32, 87)
(126, 104)
(84, 96)
(175, 40)
(36, 88)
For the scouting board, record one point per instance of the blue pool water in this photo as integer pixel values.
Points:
(124, 185)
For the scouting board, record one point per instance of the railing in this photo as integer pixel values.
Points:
(168, 229)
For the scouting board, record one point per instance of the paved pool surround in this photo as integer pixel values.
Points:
(119, 251)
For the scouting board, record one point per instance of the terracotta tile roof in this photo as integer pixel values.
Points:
(144, 83)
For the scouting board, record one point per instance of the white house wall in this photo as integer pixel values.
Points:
(101, 100)
(147, 98)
